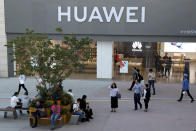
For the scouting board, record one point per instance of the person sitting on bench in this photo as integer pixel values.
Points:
(78, 111)
(89, 111)
(15, 101)
(25, 101)
(83, 106)
(39, 112)
(56, 109)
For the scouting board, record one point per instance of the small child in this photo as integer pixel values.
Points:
(146, 96)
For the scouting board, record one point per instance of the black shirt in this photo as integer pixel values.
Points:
(39, 107)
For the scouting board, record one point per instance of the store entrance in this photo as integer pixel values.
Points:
(168, 59)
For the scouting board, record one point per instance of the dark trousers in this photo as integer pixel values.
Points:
(151, 83)
(146, 101)
(137, 100)
(88, 113)
(132, 85)
(187, 93)
(167, 70)
(23, 86)
(38, 114)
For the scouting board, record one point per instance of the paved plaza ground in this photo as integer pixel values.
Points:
(165, 113)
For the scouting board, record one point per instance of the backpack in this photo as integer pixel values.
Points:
(140, 77)
(148, 94)
(71, 110)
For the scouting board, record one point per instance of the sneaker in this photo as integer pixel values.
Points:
(192, 101)
(52, 128)
(145, 110)
(179, 100)
(91, 117)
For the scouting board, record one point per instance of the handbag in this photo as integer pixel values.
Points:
(118, 95)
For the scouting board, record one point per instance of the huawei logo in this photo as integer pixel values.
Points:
(137, 46)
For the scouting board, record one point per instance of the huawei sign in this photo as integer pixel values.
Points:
(137, 46)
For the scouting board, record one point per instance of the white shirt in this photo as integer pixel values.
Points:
(142, 83)
(71, 94)
(144, 94)
(22, 79)
(25, 101)
(75, 107)
(113, 91)
(14, 101)
(151, 76)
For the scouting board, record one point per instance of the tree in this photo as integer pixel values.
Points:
(36, 55)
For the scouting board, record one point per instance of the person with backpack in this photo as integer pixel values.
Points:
(134, 77)
(75, 109)
(146, 96)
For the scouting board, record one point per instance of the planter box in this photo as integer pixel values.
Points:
(65, 117)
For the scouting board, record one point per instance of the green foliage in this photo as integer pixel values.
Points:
(66, 99)
(36, 55)
(32, 103)
(47, 105)
(63, 111)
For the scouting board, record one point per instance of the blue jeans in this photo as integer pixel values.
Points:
(54, 118)
(151, 83)
(81, 115)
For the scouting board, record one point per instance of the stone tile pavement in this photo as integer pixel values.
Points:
(165, 114)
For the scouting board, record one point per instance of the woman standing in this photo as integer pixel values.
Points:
(137, 94)
(151, 80)
(114, 100)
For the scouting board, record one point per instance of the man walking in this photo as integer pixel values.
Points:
(185, 88)
(134, 77)
(22, 79)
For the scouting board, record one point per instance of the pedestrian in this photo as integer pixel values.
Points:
(151, 80)
(114, 100)
(139, 76)
(134, 77)
(146, 96)
(185, 88)
(56, 110)
(168, 67)
(137, 94)
(22, 80)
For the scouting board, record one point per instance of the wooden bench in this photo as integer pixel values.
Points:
(10, 109)
(60, 119)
